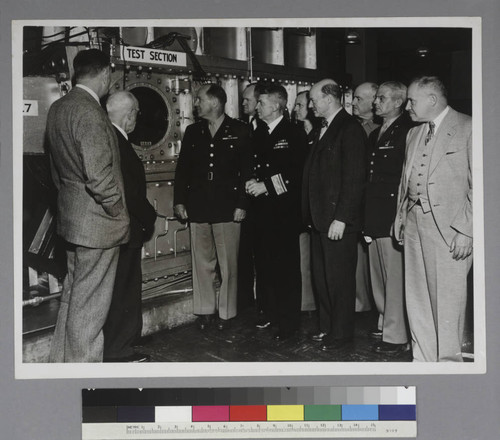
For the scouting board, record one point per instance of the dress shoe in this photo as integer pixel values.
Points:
(203, 322)
(263, 323)
(135, 357)
(375, 333)
(223, 324)
(318, 337)
(388, 348)
(142, 341)
(335, 344)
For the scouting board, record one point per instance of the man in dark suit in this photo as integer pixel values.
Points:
(279, 149)
(91, 210)
(334, 177)
(214, 164)
(124, 322)
(386, 157)
(249, 291)
(434, 222)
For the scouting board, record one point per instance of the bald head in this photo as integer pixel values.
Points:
(123, 108)
(362, 101)
(325, 98)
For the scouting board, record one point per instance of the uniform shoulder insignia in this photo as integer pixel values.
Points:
(239, 122)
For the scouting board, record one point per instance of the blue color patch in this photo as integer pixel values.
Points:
(359, 412)
(397, 412)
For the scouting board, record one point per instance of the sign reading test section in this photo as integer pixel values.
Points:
(153, 56)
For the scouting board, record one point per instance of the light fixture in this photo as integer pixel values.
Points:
(422, 52)
(352, 37)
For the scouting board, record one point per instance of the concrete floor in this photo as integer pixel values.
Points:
(243, 342)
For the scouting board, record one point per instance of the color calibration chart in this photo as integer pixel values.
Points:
(233, 413)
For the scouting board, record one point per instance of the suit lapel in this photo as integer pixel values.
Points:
(332, 130)
(222, 129)
(388, 131)
(442, 140)
(277, 133)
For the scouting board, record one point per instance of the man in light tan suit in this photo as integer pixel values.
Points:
(434, 222)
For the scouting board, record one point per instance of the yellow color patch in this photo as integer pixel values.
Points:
(285, 413)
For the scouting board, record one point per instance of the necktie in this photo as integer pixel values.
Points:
(382, 130)
(430, 133)
(212, 128)
(324, 126)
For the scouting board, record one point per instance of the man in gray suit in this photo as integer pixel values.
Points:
(91, 213)
(434, 222)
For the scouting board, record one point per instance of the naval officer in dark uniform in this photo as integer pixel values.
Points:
(279, 152)
(213, 166)
(386, 157)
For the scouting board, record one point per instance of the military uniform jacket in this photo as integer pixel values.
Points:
(211, 172)
(385, 163)
(278, 163)
(334, 175)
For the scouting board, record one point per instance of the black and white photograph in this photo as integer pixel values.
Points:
(283, 206)
(236, 192)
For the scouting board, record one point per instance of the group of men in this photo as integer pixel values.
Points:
(406, 188)
(404, 185)
(102, 215)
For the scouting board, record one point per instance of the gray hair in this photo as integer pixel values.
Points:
(398, 89)
(432, 82)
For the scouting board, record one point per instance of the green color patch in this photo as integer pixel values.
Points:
(322, 412)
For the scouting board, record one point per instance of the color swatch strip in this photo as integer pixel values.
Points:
(388, 395)
(254, 413)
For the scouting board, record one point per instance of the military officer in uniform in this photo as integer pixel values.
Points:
(362, 108)
(386, 157)
(213, 166)
(279, 151)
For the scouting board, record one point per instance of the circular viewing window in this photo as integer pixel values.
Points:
(152, 121)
